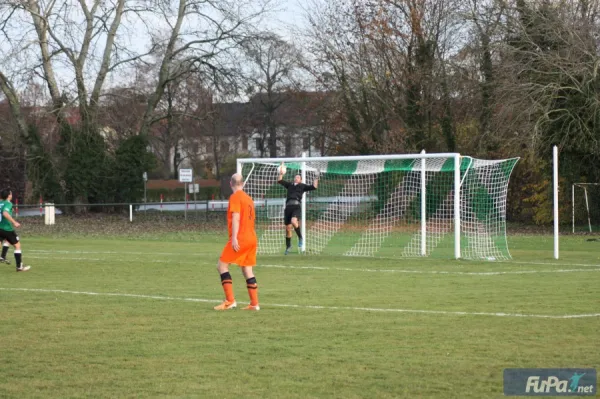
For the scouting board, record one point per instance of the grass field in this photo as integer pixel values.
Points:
(133, 318)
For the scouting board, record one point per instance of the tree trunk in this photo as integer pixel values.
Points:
(15, 107)
(163, 74)
(272, 141)
(41, 29)
(487, 92)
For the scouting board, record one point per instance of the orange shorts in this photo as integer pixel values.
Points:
(246, 256)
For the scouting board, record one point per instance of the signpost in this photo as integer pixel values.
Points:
(185, 176)
(193, 189)
(145, 177)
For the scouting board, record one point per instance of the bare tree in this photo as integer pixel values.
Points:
(15, 106)
(551, 72)
(484, 22)
(387, 60)
(82, 38)
(181, 128)
(201, 38)
(271, 82)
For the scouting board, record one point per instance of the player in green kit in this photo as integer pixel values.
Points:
(7, 229)
(5, 246)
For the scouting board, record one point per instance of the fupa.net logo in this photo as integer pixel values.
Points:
(550, 382)
(553, 384)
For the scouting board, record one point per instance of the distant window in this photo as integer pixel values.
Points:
(259, 144)
(244, 143)
(306, 142)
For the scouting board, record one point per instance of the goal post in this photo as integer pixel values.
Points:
(303, 205)
(405, 205)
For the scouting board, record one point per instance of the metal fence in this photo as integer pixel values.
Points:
(194, 210)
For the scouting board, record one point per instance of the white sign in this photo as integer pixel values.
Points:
(185, 175)
(145, 176)
(193, 188)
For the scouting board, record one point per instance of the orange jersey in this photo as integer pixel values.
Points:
(242, 203)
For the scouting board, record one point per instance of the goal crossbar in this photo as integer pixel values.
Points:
(346, 158)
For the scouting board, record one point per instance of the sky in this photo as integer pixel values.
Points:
(290, 14)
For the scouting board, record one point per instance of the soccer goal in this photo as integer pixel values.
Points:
(585, 207)
(442, 205)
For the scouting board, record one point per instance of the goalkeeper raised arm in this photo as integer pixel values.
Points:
(293, 206)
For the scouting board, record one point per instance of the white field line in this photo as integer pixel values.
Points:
(44, 251)
(347, 269)
(216, 254)
(498, 273)
(549, 264)
(367, 309)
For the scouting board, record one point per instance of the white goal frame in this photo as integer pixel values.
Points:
(423, 156)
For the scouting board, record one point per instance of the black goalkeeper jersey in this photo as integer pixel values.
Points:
(295, 191)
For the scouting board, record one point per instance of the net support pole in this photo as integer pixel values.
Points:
(573, 207)
(303, 209)
(587, 208)
(555, 197)
(239, 167)
(457, 206)
(423, 207)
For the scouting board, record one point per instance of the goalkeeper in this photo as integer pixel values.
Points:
(293, 206)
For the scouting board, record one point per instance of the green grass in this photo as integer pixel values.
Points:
(308, 341)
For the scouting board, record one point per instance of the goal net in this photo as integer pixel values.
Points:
(585, 203)
(387, 206)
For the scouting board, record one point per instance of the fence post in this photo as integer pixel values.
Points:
(130, 213)
(161, 201)
(41, 209)
(555, 197)
(49, 211)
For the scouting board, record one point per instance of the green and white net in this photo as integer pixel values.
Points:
(374, 207)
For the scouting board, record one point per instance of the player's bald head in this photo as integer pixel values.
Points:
(237, 180)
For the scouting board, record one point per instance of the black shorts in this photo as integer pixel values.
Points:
(291, 211)
(10, 236)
